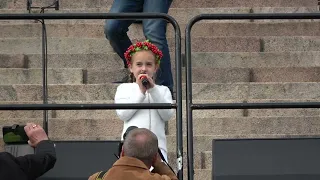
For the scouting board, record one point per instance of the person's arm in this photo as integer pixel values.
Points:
(166, 97)
(127, 93)
(163, 170)
(35, 165)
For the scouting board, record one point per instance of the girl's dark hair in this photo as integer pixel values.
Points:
(132, 78)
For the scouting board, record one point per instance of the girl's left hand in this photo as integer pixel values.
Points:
(151, 82)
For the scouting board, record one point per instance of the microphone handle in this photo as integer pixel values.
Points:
(145, 82)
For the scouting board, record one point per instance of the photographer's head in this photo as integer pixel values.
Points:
(142, 144)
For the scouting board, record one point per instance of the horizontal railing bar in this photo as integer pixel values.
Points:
(123, 16)
(7, 107)
(271, 105)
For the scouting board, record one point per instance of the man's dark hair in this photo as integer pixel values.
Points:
(142, 144)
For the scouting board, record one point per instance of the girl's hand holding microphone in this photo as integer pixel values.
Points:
(145, 82)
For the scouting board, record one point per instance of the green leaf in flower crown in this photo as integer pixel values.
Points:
(145, 47)
(137, 49)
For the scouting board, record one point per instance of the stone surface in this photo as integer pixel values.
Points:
(13, 61)
(17, 4)
(199, 44)
(34, 76)
(100, 45)
(256, 60)
(200, 75)
(199, 59)
(244, 3)
(301, 112)
(213, 28)
(201, 91)
(252, 125)
(286, 74)
(283, 91)
(233, 60)
(272, 44)
(182, 15)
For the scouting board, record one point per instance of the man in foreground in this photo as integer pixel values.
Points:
(139, 153)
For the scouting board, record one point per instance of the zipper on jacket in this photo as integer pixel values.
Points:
(149, 112)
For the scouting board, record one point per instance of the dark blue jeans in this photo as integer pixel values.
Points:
(153, 29)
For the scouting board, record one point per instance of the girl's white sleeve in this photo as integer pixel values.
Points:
(162, 96)
(127, 93)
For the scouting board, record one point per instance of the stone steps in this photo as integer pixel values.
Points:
(197, 114)
(199, 44)
(236, 61)
(34, 76)
(200, 75)
(203, 143)
(109, 127)
(219, 75)
(201, 91)
(11, 4)
(199, 59)
(182, 15)
(100, 114)
(251, 125)
(200, 29)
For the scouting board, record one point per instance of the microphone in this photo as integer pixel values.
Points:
(144, 81)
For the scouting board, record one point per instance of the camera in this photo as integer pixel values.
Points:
(14, 134)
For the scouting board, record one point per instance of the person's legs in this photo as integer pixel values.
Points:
(155, 30)
(116, 30)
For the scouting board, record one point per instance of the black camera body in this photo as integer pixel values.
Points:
(14, 134)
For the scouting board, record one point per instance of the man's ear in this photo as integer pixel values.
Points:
(122, 153)
(154, 159)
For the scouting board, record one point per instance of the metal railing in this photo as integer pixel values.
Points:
(121, 16)
(190, 106)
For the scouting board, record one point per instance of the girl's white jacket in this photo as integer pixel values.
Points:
(152, 119)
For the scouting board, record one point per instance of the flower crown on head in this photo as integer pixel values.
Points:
(139, 46)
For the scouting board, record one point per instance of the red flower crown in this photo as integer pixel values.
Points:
(139, 46)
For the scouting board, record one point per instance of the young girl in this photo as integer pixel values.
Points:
(143, 59)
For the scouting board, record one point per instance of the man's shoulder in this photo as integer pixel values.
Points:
(98, 175)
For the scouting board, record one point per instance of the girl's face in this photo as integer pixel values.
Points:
(143, 62)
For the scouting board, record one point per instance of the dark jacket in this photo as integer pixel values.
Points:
(30, 166)
(134, 169)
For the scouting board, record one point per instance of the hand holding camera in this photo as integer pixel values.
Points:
(35, 133)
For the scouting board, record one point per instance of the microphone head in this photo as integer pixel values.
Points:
(144, 80)
(128, 130)
(143, 77)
